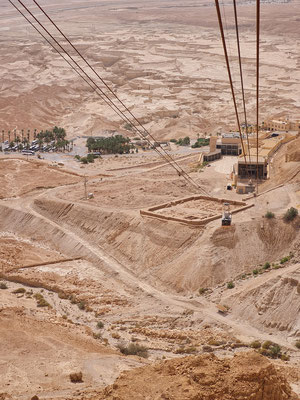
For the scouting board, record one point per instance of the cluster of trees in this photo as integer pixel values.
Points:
(201, 142)
(117, 144)
(186, 142)
(55, 137)
(18, 144)
(182, 141)
(14, 136)
(86, 160)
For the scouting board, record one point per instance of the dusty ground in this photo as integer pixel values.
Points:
(18, 177)
(205, 377)
(40, 349)
(99, 260)
(80, 278)
(163, 58)
(200, 209)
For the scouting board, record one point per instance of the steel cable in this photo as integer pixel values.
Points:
(104, 96)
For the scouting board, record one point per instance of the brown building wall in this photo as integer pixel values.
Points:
(213, 144)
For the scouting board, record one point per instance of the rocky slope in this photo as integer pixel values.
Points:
(245, 376)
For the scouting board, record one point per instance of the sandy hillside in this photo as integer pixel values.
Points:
(163, 59)
(205, 377)
(144, 307)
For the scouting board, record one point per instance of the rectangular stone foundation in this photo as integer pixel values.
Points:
(199, 210)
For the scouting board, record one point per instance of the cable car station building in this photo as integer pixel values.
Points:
(250, 169)
(230, 144)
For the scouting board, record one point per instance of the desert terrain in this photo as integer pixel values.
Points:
(164, 59)
(98, 301)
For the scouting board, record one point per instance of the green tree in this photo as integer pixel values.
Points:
(117, 144)
(184, 142)
(290, 214)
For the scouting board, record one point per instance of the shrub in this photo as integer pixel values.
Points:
(297, 344)
(275, 351)
(269, 215)
(267, 265)
(276, 266)
(285, 357)
(207, 349)
(90, 158)
(41, 302)
(134, 349)
(76, 377)
(73, 299)
(173, 140)
(81, 305)
(19, 290)
(284, 260)
(255, 345)
(290, 214)
(128, 126)
(97, 336)
(213, 342)
(186, 350)
(255, 271)
(230, 285)
(77, 157)
(84, 160)
(202, 291)
(62, 295)
(3, 285)
(38, 296)
(272, 350)
(264, 352)
(100, 325)
(267, 344)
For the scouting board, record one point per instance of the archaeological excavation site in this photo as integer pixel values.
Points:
(149, 200)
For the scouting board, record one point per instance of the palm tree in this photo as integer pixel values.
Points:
(28, 135)
(22, 135)
(34, 134)
(40, 142)
(18, 140)
(15, 134)
(8, 136)
(26, 143)
(2, 135)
